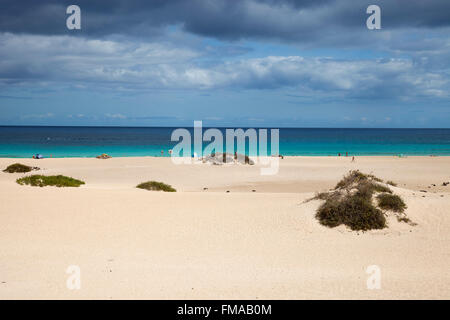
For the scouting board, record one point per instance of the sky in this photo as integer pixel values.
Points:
(247, 63)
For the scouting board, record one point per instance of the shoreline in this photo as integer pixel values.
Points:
(285, 156)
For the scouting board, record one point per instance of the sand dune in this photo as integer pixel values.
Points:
(197, 244)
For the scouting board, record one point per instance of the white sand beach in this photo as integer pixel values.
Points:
(212, 244)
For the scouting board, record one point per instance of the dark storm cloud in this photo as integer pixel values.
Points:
(287, 20)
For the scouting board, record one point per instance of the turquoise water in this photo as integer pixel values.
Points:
(126, 141)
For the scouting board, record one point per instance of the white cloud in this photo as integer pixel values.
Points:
(38, 116)
(115, 116)
(28, 60)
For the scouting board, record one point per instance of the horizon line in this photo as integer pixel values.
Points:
(220, 127)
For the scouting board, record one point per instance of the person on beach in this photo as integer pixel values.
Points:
(353, 159)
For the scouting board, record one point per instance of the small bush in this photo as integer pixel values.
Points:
(368, 188)
(380, 188)
(371, 176)
(350, 179)
(355, 177)
(391, 183)
(391, 202)
(42, 181)
(405, 220)
(350, 203)
(332, 195)
(354, 211)
(18, 167)
(156, 186)
(322, 196)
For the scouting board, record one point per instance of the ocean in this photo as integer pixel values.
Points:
(25, 141)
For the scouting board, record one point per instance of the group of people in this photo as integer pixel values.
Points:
(162, 152)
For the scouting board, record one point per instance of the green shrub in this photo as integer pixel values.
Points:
(371, 176)
(350, 203)
(156, 186)
(322, 196)
(350, 179)
(18, 167)
(391, 202)
(405, 220)
(355, 177)
(42, 181)
(380, 188)
(391, 183)
(367, 188)
(354, 211)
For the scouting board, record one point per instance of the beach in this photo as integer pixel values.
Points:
(203, 242)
